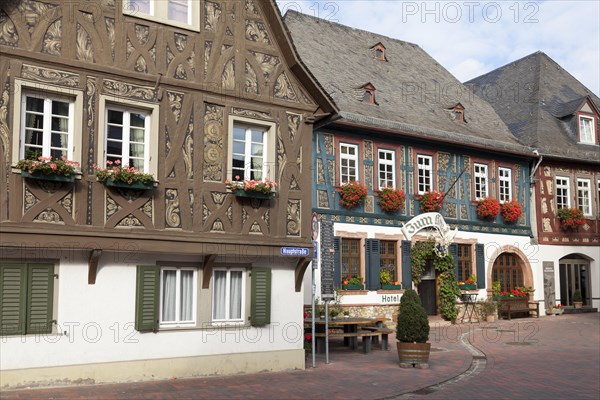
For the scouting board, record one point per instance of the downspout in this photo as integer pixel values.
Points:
(532, 199)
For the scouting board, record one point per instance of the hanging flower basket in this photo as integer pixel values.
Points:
(570, 218)
(48, 169)
(511, 211)
(431, 201)
(391, 200)
(488, 208)
(352, 194)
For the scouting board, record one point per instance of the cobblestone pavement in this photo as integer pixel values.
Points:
(549, 357)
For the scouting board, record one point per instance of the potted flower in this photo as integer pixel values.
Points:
(353, 283)
(385, 279)
(489, 308)
(431, 201)
(124, 176)
(47, 168)
(570, 218)
(469, 284)
(352, 194)
(412, 330)
(259, 189)
(577, 299)
(511, 211)
(488, 208)
(555, 310)
(391, 200)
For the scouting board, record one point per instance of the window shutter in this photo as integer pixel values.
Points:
(40, 281)
(406, 264)
(147, 300)
(337, 262)
(13, 296)
(260, 311)
(373, 265)
(480, 265)
(453, 250)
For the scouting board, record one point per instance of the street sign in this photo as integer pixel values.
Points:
(294, 251)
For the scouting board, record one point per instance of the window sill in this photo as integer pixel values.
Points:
(204, 327)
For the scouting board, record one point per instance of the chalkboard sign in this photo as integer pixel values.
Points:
(327, 253)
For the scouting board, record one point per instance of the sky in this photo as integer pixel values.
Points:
(471, 38)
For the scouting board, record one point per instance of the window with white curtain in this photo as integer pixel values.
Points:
(173, 12)
(228, 295)
(47, 127)
(587, 132)
(563, 198)
(128, 137)
(387, 176)
(425, 173)
(584, 196)
(348, 163)
(177, 296)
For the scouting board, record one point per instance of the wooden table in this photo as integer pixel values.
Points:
(349, 325)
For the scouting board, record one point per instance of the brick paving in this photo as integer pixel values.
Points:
(561, 359)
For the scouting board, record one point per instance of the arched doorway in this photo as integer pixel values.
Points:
(508, 270)
(575, 274)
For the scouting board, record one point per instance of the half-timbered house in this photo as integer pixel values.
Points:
(112, 283)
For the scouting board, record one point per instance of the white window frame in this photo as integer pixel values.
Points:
(347, 162)
(561, 184)
(268, 169)
(504, 184)
(386, 166)
(247, 155)
(591, 139)
(228, 320)
(424, 170)
(177, 321)
(159, 11)
(480, 179)
(22, 88)
(151, 143)
(126, 137)
(584, 196)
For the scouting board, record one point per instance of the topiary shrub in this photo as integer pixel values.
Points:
(413, 325)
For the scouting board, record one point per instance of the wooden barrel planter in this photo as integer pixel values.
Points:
(413, 353)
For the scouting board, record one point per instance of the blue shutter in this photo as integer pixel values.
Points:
(453, 249)
(337, 262)
(373, 281)
(480, 263)
(406, 264)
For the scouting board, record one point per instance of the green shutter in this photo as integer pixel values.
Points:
(407, 264)
(373, 264)
(261, 297)
(480, 265)
(40, 282)
(13, 297)
(147, 300)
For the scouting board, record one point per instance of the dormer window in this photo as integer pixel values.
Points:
(368, 95)
(458, 113)
(379, 52)
(587, 123)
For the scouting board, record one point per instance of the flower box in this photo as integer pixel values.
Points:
(351, 286)
(139, 185)
(467, 286)
(391, 286)
(48, 177)
(252, 194)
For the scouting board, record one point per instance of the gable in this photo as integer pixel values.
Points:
(586, 108)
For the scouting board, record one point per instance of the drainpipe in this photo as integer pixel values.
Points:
(532, 199)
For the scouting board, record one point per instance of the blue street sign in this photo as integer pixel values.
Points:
(294, 251)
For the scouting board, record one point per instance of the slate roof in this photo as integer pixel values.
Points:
(541, 115)
(414, 93)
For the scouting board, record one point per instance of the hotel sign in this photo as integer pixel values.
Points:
(429, 220)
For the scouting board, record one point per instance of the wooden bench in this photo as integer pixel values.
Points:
(364, 334)
(384, 332)
(517, 305)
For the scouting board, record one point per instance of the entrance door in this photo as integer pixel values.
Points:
(427, 291)
(574, 275)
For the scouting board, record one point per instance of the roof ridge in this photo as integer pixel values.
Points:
(291, 11)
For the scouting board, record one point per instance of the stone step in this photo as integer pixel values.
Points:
(571, 310)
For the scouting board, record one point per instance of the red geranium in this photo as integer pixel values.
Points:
(352, 194)
(511, 211)
(570, 218)
(431, 201)
(391, 200)
(488, 208)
